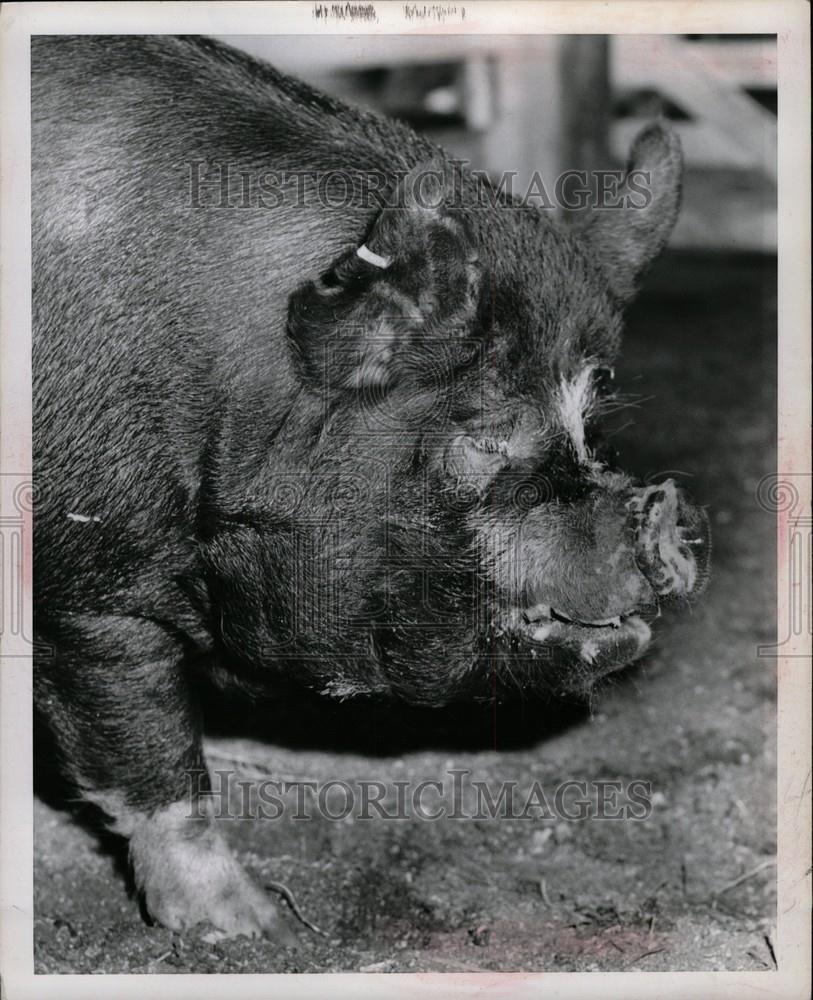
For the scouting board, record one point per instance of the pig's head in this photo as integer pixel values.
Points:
(450, 527)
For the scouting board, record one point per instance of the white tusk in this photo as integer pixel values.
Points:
(373, 258)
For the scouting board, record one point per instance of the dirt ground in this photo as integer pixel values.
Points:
(691, 887)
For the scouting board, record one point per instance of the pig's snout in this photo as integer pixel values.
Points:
(671, 539)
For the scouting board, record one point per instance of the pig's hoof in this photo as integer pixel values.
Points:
(188, 876)
(224, 897)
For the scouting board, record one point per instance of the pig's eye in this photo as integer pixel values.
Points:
(603, 378)
(606, 454)
(480, 457)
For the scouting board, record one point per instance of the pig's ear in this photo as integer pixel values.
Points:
(627, 240)
(414, 279)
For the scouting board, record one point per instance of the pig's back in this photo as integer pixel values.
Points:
(158, 324)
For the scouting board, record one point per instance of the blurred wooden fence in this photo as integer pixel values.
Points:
(543, 104)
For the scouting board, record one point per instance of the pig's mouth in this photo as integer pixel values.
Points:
(580, 651)
(544, 625)
(669, 560)
(543, 614)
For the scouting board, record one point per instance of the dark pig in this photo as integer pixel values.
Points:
(311, 402)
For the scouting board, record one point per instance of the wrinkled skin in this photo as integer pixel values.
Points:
(461, 514)
(373, 472)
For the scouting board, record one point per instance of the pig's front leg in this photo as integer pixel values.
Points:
(116, 699)
(188, 876)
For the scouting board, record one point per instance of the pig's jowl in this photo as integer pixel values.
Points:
(342, 431)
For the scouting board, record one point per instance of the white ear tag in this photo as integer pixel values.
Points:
(373, 258)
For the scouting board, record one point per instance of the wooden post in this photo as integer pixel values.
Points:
(585, 85)
(525, 138)
(554, 111)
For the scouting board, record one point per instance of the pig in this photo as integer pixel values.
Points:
(338, 431)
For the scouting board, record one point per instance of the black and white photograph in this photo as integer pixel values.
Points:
(406, 532)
